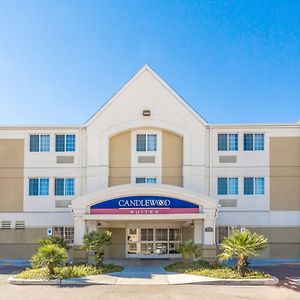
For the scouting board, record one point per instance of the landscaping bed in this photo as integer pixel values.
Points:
(204, 268)
(72, 271)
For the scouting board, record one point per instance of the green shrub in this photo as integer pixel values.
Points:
(204, 268)
(49, 256)
(97, 241)
(67, 272)
(189, 250)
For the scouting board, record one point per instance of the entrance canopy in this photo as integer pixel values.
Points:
(144, 201)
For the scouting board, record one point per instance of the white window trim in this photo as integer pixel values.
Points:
(148, 133)
(228, 177)
(39, 186)
(254, 186)
(253, 141)
(64, 195)
(65, 143)
(227, 137)
(39, 134)
(146, 177)
(64, 232)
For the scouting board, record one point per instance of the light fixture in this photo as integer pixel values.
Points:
(146, 112)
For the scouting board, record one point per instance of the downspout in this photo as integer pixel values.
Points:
(80, 162)
(210, 180)
(209, 187)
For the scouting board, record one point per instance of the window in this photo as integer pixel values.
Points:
(228, 142)
(145, 180)
(254, 185)
(225, 231)
(39, 143)
(67, 233)
(38, 186)
(254, 142)
(65, 142)
(64, 186)
(174, 234)
(146, 142)
(227, 186)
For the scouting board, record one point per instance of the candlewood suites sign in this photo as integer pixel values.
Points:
(144, 205)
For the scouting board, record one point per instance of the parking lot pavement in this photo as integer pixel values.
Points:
(285, 273)
(132, 292)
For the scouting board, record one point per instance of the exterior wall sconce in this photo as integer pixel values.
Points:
(146, 112)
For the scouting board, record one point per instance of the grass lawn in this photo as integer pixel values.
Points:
(68, 272)
(203, 268)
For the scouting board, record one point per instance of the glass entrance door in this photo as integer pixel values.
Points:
(153, 242)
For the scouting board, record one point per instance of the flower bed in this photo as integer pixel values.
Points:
(204, 268)
(68, 272)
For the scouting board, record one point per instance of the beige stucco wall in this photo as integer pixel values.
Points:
(187, 233)
(20, 243)
(11, 175)
(283, 242)
(285, 173)
(172, 158)
(120, 159)
(118, 243)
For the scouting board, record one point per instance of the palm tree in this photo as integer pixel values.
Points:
(56, 241)
(97, 241)
(49, 256)
(188, 250)
(241, 245)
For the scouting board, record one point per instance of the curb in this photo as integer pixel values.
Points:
(85, 281)
(237, 282)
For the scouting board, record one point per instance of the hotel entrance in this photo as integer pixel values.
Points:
(145, 242)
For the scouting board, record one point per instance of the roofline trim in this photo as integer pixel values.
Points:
(155, 75)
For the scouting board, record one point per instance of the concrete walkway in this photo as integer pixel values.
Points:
(141, 272)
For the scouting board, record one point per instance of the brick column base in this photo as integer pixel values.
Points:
(209, 252)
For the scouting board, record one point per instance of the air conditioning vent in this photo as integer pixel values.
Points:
(227, 159)
(228, 202)
(64, 159)
(5, 224)
(20, 224)
(62, 203)
(146, 159)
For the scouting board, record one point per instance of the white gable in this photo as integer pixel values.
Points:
(146, 90)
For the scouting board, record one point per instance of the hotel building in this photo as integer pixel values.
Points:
(151, 170)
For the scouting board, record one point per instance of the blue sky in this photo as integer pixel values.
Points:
(233, 61)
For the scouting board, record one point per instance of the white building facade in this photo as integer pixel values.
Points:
(151, 170)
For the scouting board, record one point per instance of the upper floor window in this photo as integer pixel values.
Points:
(39, 143)
(227, 142)
(254, 185)
(146, 142)
(228, 186)
(254, 142)
(65, 142)
(64, 186)
(38, 186)
(145, 180)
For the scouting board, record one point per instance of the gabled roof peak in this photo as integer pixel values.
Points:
(146, 67)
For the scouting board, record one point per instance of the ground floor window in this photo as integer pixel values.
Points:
(65, 232)
(153, 241)
(225, 231)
